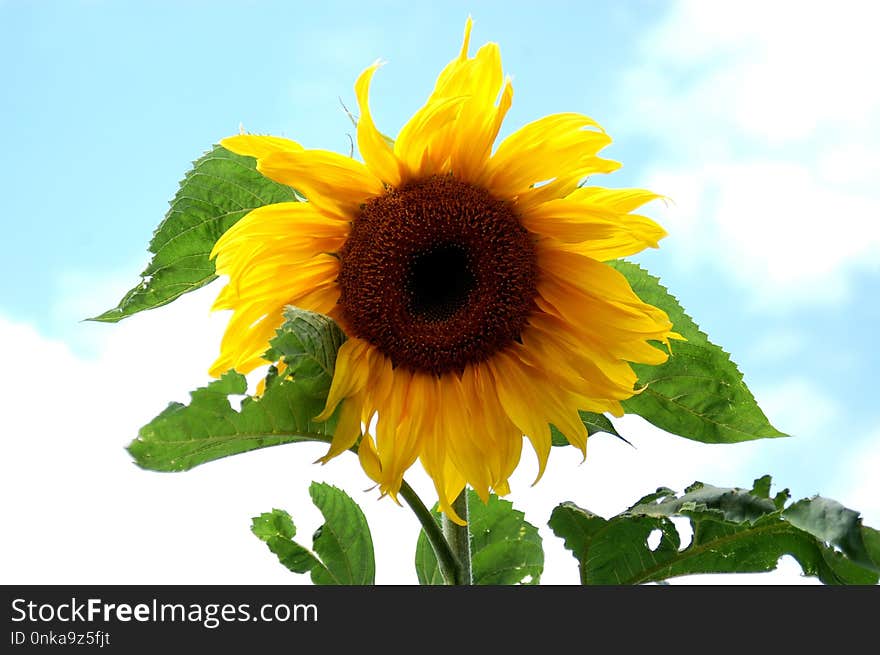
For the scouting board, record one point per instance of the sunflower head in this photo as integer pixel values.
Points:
(469, 282)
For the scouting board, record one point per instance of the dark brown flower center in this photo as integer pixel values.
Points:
(437, 274)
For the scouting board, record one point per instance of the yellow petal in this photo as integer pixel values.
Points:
(369, 458)
(350, 375)
(253, 145)
(596, 372)
(506, 438)
(348, 427)
(374, 147)
(290, 223)
(592, 229)
(392, 433)
(461, 136)
(479, 80)
(554, 397)
(520, 396)
(592, 278)
(246, 339)
(552, 147)
(623, 329)
(452, 487)
(640, 232)
(458, 431)
(621, 201)
(565, 184)
(418, 409)
(333, 182)
(277, 252)
(453, 66)
(448, 482)
(279, 282)
(424, 144)
(433, 455)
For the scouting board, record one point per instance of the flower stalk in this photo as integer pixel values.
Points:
(446, 558)
(459, 539)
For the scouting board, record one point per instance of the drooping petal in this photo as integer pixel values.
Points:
(257, 315)
(348, 427)
(554, 398)
(448, 481)
(521, 399)
(462, 440)
(506, 438)
(350, 376)
(395, 442)
(369, 458)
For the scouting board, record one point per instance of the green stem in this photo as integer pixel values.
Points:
(445, 557)
(459, 538)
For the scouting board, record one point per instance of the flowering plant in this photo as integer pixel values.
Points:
(442, 301)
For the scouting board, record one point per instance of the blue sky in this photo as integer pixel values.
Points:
(769, 147)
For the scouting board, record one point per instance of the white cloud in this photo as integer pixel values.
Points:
(77, 510)
(800, 406)
(778, 345)
(767, 124)
(862, 487)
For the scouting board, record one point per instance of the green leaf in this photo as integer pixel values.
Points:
(277, 530)
(343, 543)
(427, 569)
(831, 522)
(593, 422)
(699, 392)
(219, 190)
(184, 436)
(343, 547)
(734, 531)
(308, 342)
(505, 548)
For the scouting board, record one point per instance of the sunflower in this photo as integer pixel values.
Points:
(470, 284)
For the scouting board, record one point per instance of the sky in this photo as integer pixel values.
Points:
(760, 122)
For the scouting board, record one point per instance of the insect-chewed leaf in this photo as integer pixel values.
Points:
(184, 436)
(734, 531)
